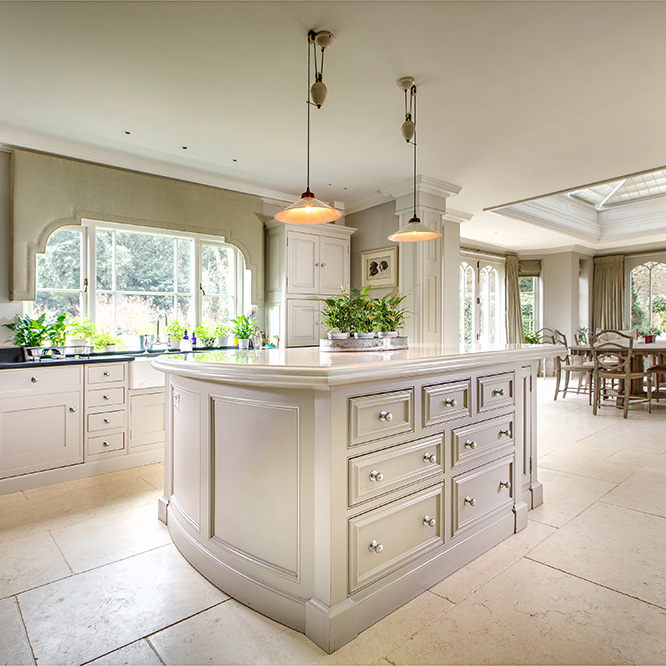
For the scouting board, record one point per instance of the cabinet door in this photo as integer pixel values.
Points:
(302, 263)
(147, 420)
(40, 432)
(333, 264)
(303, 328)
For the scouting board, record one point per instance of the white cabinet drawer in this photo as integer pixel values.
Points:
(482, 492)
(377, 416)
(381, 472)
(106, 420)
(105, 372)
(476, 440)
(105, 397)
(446, 402)
(384, 539)
(105, 444)
(495, 391)
(40, 379)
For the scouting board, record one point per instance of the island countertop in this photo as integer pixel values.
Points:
(308, 367)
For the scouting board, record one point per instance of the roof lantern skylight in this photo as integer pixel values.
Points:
(624, 190)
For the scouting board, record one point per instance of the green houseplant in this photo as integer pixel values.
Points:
(363, 313)
(29, 332)
(243, 329)
(205, 336)
(337, 314)
(56, 330)
(81, 331)
(107, 342)
(388, 315)
(175, 331)
(221, 333)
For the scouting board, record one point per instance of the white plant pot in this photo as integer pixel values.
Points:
(244, 344)
(387, 334)
(185, 345)
(77, 342)
(338, 336)
(222, 340)
(110, 348)
(363, 336)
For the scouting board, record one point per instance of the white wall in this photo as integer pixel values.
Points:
(7, 309)
(561, 292)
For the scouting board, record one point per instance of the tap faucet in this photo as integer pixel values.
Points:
(158, 340)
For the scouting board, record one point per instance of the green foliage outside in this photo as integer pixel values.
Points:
(244, 327)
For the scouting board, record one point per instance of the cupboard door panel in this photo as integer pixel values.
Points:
(334, 264)
(302, 263)
(302, 323)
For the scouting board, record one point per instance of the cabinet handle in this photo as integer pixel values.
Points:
(505, 484)
(107, 420)
(72, 409)
(470, 500)
(323, 265)
(504, 431)
(106, 397)
(385, 416)
(317, 323)
(429, 457)
(376, 476)
(375, 546)
(316, 263)
(498, 392)
(106, 374)
(34, 380)
(428, 521)
(449, 402)
(106, 443)
(469, 444)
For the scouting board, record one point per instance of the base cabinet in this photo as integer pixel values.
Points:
(146, 411)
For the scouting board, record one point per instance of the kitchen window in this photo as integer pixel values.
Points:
(125, 278)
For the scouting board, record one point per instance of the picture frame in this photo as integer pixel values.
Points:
(379, 267)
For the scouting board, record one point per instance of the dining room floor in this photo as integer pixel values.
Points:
(89, 575)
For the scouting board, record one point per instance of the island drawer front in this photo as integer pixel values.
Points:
(476, 440)
(495, 391)
(105, 397)
(106, 420)
(39, 379)
(105, 444)
(446, 402)
(106, 372)
(377, 473)
(377, 416)
(385, 538)
(480, 493)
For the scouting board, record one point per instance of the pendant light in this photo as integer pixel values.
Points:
(308, 209)
(414, 231)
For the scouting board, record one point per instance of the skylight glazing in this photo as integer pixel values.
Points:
(623, 191)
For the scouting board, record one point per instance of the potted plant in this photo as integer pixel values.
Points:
(175, 332)
(363, 313)
(221, 333)
(388, 315)
(80, 332)
(243, 329)
(336, 314)
(204, 335)
(56, 330)
(28, 332)
(649, 334)
(107, 342)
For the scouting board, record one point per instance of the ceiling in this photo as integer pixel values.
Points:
(516, 99)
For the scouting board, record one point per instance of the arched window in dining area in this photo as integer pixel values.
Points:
(648, 296)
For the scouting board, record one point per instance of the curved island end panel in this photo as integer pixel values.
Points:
(325, 490)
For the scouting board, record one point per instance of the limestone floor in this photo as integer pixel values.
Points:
(84, 565)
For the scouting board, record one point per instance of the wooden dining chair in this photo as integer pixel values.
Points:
(613, 356)
(656, 373)
(569, 364)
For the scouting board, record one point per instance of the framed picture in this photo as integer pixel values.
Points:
(380, 267)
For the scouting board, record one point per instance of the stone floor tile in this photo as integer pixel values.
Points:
(118, 535)
(152, 474)
(617, 547)
(14, 647)
(533, 614)
(644, 491)
(86, 616)
(586, 463)
(639, 435)
(28, 562)
(135, 654)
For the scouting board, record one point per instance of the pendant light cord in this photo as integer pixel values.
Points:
(309, 103)
(412, 107)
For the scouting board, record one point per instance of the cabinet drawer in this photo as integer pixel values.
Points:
(474, 441)
(480, 493)
(40, 379)
(106, 372)
(105, 444)
(446, 402)
(381, 472)
(105, 397)
(383, 539)
(495, 391)
(377, 416)
(106, 420)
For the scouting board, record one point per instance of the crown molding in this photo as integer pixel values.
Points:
(368, 201)
(424, 185)
(458, 216)
(10, 138)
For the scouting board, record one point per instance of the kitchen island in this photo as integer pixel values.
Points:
(325, 490)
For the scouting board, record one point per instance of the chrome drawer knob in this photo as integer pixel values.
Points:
(106, 397)
(107, 420)
(34, 380)
(106, 374)
(505, 484)
(375, 546)
(429, 457)
(106, 443)
(449, 402)
(470, 500)
(72, 409)
(385, 416)
(497, 392)
(323, 265)
(376, 476)
(316, 263)
(504, 431)
(469, 444)
(428, 521)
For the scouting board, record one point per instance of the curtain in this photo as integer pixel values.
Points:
(514, 320)
(608, 292)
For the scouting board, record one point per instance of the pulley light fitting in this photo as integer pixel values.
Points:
(308, 209)
(414, 231)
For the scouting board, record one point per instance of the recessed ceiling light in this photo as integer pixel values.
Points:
(184, 147)
(126, 132)
(234, 160)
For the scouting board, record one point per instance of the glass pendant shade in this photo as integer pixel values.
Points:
(413, 232)
(308, 210)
